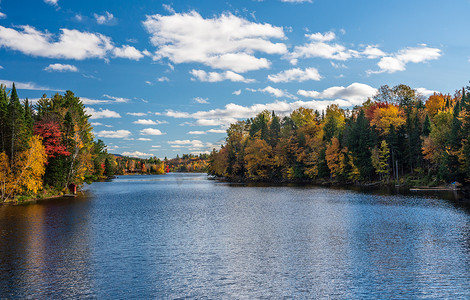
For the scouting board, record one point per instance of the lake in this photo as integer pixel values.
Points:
(184, 236)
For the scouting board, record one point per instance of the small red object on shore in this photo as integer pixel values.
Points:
(73, 188)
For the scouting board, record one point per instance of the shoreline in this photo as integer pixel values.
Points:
(36, 200)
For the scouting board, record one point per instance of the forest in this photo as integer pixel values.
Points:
(396, 137)
(46, 147)
(125, 165)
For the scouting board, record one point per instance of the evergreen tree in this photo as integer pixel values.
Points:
(359, 142)
(426, 126)
(274, 130)
(453, 171)
(28, 118)
(16, 139)
(108, 168)
(3, 118)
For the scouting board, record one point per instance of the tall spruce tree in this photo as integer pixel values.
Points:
(16, 138)
(359, 142)
(3, 118)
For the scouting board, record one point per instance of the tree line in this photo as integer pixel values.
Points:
(186, 163)
(397, 136)
(46, 146)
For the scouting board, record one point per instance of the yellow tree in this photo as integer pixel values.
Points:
(436, 103)
(386, 116)
(335, 158)
(258, 159)
(380, 157)
(27, 174)
(161, 168)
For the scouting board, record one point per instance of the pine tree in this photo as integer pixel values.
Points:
(108, 168)
(3, 117)
(454, 144)
(274, 130)
(426, 126)
(359, 142)
(16, 140)
(28, 118)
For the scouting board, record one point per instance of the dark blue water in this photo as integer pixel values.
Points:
(181, 235)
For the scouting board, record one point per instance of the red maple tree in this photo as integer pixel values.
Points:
(51, 135)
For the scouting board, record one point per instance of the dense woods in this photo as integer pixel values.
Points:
(397, 136)
(47, 146)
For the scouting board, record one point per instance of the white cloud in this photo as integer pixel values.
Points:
(168, 8)
(51, 2)
(163, 79)
(320, 47)
(117, 99)
(328, 36)
(197, 132)
(144, 139)
(110, 99)
(356, 93)
(102, 113)
(127, 51)
(96, 124)
(151, 131)
(295, 74)
(88, 101)
(137, 154)
(201, 100)
(69, 44)
(118, 134)
(104, 19)
(233, 112)
(372, 52)
(145, 122)
(274, 91)
(426, 92)
(138, 114)
(338, 66)
(238, 92)
(204, 76)
(3, 16)
(193, 144)
(61, 68)
(216, 131)
(26, 85)
(397, 62)
(223, 42)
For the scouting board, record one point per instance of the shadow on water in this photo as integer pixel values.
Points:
(457, 198)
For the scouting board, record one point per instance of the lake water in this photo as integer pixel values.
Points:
(183, 236)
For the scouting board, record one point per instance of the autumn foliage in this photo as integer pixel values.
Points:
(398, 136)
(45, 146)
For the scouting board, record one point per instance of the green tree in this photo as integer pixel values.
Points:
(108, 168)
(3, 118)
(17, 139)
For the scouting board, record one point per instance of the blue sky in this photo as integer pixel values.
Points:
(164, 78)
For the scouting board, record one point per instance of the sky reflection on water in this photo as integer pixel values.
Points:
(181, 235)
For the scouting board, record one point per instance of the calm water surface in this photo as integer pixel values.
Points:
(181, 235)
